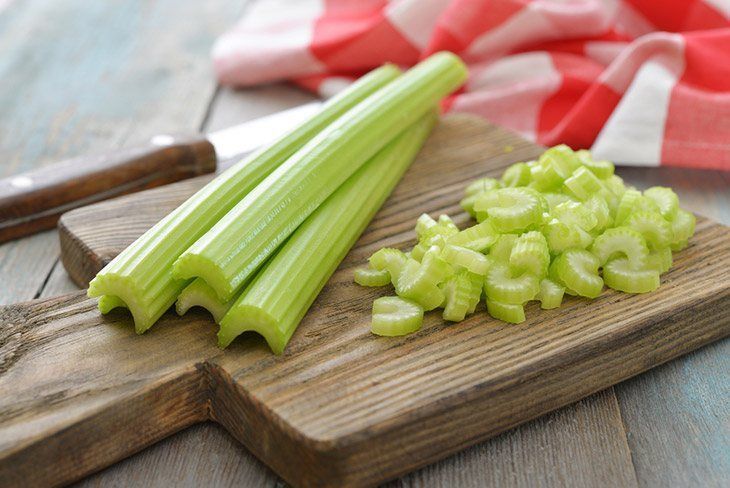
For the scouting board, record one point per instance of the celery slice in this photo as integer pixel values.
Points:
(583, 184)
(512, 313)
(270, 305)
(230, 252)
(510, 209)
(424, 223)
(602, 169)
(561, 236)
(481, 185)
(517, 174)
(502, 248)
(501, 286)
(599, 206)
(574, 213)
(620, 276)
(577, 269)
(458, 297)
(621, 240)
(199, 294)
(554, 199)
(419, 281)
(461, 257)
(530, 254)
(390, 260)
(656, 231)
(683, 227)
(550, 295)
(371, 277)
(140, 275)
(660, 259)
(665, 199)
(478, 237)
(395, 316)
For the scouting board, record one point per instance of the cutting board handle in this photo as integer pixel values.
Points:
(33, 201)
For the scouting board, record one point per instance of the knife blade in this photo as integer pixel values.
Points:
(34, 201)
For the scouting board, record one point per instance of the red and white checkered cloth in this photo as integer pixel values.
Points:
(643, 82)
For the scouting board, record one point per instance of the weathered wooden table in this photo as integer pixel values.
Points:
(78, 77)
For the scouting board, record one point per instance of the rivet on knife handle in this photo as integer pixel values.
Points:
(34, 201)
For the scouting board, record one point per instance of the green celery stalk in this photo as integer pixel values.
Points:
(199, 294)
(228, 255)
(276, 300)
(140, 276)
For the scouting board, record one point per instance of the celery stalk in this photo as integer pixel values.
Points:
(199, 294)
(281, 293)
(140, 275)
(228, 255)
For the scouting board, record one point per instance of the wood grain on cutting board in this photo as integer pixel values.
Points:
(342, 406)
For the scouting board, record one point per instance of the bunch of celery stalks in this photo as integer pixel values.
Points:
(256, 245)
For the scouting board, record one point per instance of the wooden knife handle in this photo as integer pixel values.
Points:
(33, 201)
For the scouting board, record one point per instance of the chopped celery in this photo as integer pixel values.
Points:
(502, 248)
(424, 223)
(583, 184)
(140, 275)
(574, 213)
(660, 259)
(665, 199)
(270, 305)
(199, 294)
(458, 297)
(419, 281)
(395, 316)
(550, 295)
(107, 303)
(390, 260)
(512, 313)
(577, 269)
(621, 240)
(683, 226)
(477, 238)
(501, 286)
(481, 185)
(620, 275)
(372, 277)
(561, 236)
(602, 169)
(461, 257)
(510, 209)
(656, 231)
(229, 254)
(517, 174)
(530, 254)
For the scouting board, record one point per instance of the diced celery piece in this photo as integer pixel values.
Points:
(479, 237)
(501, 286)
(371, 277)
(270, 305)
(602, 169)
(574, 213)
(561, 236)
(583, 184)
(424, 223)
(577, 269)
(660, 259)
(517, 174)
(390, 260)
(107, 303)
(621, 240)
(419, 281)
(395, 316)
(555, 199)
(481, 185)
(530, 254)
(463, 258)
(665, 199)
(458, 292)
(506, 312)
(229, 254)
(199, 294)
(619, 275)
(601, 211)
(656, 231)
(502, 249)
(683, 227)
(550, 295)
(140, 275)
(510, 209)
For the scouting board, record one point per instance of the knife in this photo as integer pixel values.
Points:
(34, 201)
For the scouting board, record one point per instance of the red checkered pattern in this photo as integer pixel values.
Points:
(642, 82)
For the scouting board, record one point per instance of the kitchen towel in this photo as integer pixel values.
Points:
(640, 82)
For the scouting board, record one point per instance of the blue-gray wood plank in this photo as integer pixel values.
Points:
(81, 76)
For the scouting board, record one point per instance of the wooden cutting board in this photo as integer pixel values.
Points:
(341, 406)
